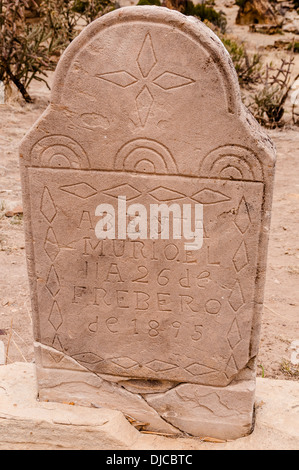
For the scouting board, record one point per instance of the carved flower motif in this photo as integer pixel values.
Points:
(146, 61)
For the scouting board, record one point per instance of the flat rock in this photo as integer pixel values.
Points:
(27, 424)
(224, 413)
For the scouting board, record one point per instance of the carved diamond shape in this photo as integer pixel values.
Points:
(199, 369)
(146, 58)
(56, 356)
(231, 368)
(48, 208)
(123, 190)
(240, 258)
(57, 343)
(236, 298)
(169, 80)
(121, 78)
(55, 317)
(125, 362)
(234, 335)
(207, 196)
(51, 245)
(144, 103)
(53, 284)
(165, 194)
(160, 366)
(87, 358)
(82, 190)
(242, 219)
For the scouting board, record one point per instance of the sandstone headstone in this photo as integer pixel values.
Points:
(146, 106)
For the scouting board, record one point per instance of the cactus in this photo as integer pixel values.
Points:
(25, 49)
(28, 49)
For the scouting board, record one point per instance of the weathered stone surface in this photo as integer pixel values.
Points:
(128, 119)
(24, 422)
(147, 386)
(256, 11)
(291, 23)
(224, 413)
(28, 424)
(87, 389)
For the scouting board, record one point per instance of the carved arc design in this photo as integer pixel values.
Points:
(232, 162)
(59, 151)
(145, 156)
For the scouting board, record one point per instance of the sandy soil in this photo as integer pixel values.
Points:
(280, 321)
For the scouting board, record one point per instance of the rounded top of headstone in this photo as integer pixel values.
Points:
(129, 25)
(149, 90)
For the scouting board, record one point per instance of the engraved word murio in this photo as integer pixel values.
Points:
(135, 223)
(147, 197)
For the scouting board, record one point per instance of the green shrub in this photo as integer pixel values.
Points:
(90, 10)
(294, 47)
(61, 19)
(268, 102)
(206, 13)
(150, 2)
(268, 106)
(25, 49)
(28, 50)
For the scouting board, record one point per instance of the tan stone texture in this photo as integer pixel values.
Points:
(146, 105)
(28, 424)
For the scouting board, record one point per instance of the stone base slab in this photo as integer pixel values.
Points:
(165, 407)
(26, 423)
(195, 410)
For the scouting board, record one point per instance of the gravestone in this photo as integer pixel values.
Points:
(146, 106)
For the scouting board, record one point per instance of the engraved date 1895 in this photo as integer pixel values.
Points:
(151, 328)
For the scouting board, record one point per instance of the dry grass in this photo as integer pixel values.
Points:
(289, 369)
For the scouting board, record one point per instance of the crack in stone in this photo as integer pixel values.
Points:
(155, 411)
(141, 397)
(180, 431)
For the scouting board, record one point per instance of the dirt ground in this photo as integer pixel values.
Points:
(281, 309)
